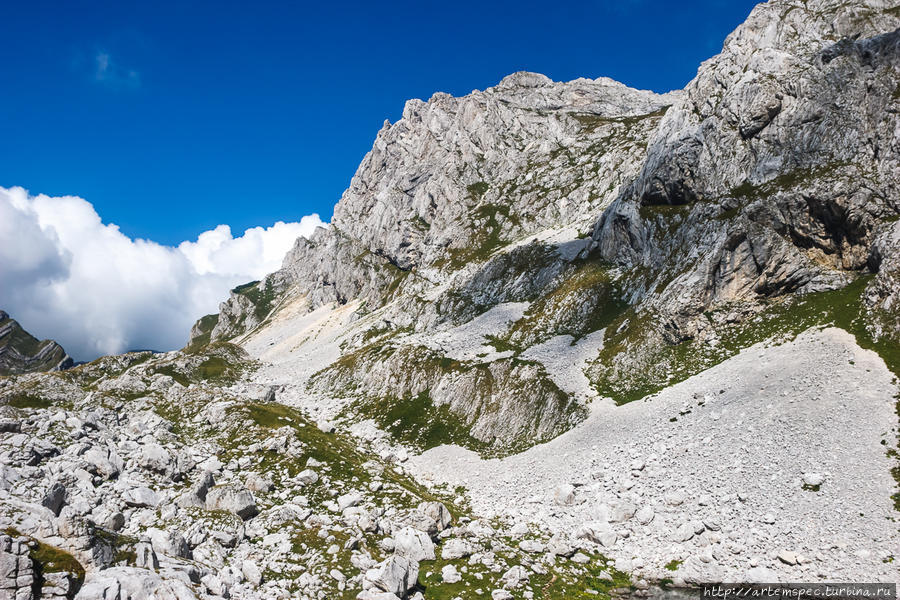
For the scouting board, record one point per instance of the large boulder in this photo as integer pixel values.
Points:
(413, 544)
(397, 575)
(232, 498)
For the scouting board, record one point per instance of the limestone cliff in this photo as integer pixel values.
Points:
(668, 231)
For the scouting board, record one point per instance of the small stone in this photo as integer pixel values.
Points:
(580, 558)
(531, 546)
(644, 515)
(141, 497)
(55, 498)
(813, 479)
(307, 477)
(514, 577)
(674, 498)
(232, 498)
(787, 557)
(455, 548)
(349, 500)
(564, 495)
(251, 572)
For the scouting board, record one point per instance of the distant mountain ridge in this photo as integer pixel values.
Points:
(21, 352)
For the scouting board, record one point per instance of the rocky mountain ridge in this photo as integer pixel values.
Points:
(560, 340)
(20, 352)
(773, 175)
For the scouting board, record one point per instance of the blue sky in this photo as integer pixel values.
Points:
(174, 117)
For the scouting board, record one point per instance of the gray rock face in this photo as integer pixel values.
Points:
(20, 352)
(491, 399)
(410, 211)
(772, 175)
(778, 165)
(457, 178)
(16, 569)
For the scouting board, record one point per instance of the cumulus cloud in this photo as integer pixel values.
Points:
(66, 275)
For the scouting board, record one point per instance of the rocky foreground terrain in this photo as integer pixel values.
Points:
(560, 340)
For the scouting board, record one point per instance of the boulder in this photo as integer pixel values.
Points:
(140, 497)
(397, 575)
(455, 548)
(168, 542)
(438, 512)
(234, 499)
(55, 497)
(413, 544)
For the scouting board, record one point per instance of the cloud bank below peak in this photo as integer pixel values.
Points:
(66, 275)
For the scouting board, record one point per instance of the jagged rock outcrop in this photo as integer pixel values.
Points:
(455, 171)
(457, 179)
(777, 169)
(20, 352)
(435, 225)
(505, 404)
(32, 571)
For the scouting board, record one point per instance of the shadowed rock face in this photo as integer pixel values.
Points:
(777, 170)
(20, 352)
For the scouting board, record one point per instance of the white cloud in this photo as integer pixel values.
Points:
(66, 275)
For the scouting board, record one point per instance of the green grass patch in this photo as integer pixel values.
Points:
(417, 422)
(174, 373)
(566, 580)
(477, 190)
(502, 345)
(263, 299)
(583, 300)
(28, 401)
(673, 565)
(50, 559)
(590, 122)
(214, 367)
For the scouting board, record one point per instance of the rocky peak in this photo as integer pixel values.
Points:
(21, 352)
(413, 196)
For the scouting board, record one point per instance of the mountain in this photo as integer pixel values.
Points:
(560, 340)
(672, 224)
(20, 352)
